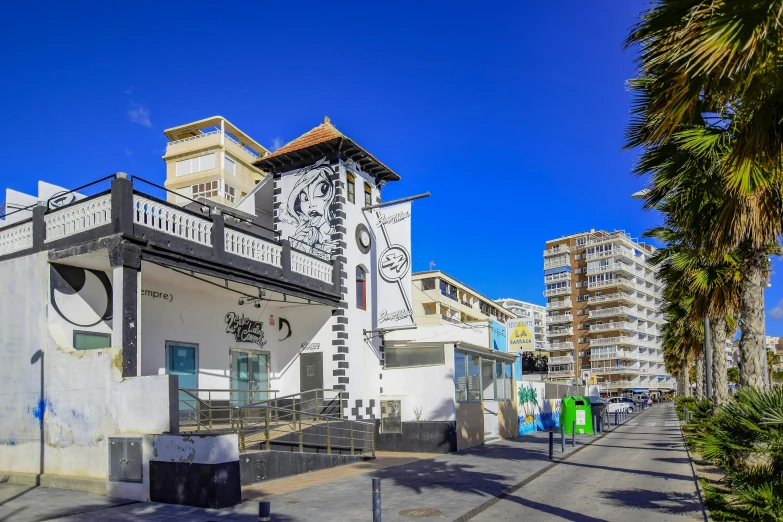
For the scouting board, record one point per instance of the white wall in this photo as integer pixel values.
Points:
(195, 313)
(85, 400)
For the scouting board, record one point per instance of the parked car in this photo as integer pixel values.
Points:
(619, 404)
(640, 398)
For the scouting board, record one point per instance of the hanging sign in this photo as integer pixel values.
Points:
(245, 330)
(518, 335)
(392, 227)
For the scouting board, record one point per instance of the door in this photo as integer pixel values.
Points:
(182, 361)
(249, 377)
(311, 371)
(489, 397)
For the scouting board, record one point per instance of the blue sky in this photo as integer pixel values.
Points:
(513, 117)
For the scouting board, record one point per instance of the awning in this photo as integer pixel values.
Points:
(639, 390)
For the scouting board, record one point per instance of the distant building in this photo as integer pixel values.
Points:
(604, 301)
(211, 159)
(537, 312)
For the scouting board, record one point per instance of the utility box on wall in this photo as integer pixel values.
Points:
(125, 459)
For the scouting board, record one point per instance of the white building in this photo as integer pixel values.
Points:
(537, 312)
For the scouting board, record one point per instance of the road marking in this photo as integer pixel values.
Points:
(671, 424)
(632, 424)
(650, 424)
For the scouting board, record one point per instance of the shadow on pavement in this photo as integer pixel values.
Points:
(671, 476)
(6, 501)
(670, 503)
(674, 460)
(552, 510)
(444, 475)
(637, 447)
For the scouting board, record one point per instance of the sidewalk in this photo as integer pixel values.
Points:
(446, 486)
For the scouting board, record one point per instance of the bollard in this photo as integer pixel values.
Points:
(562, 438)
(551, 443)
(573, 434)
(264, 511)
(616, 416)
(376, 500)
(595, 425)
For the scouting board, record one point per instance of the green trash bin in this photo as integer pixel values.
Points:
(577, 408)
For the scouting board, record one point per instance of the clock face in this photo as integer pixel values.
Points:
(364, 238)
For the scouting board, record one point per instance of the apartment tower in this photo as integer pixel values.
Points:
(537, 313)
(604, 313)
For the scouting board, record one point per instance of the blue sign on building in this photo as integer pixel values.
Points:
(497, 336)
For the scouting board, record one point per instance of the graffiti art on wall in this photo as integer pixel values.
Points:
(81, 296)
(308, 219)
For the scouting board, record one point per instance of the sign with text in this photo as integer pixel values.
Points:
(245, 330)
(392, 228)
(519, 336)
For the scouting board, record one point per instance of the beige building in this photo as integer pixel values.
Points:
(536, 312)
(212, 159)
(603, 303)
(439, 298)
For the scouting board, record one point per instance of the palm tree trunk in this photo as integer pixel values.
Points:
(751, 345)
(700, 377)
(683, 382)
(720, 380)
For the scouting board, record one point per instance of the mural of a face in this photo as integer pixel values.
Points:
(310, 208)
(81, 296)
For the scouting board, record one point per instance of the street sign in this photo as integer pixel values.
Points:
(518, 335)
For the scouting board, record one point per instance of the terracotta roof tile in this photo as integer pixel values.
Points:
(323, 133)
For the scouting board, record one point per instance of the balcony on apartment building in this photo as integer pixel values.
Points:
(625, 340)
(557, 249)
(622, 370)
(611, 267)
(559, 304)
(558, 332)
(561, 373)
(561, 290)
(615, 251)
(560, 276)
(614, 311)
(563, 359)
(561, 346)
(560, 318)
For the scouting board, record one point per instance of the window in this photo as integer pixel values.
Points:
(230, 193)
(460, 377)
(361, 288)
(229, 165)
(474, 378)
(428, 284)
(197, 164)
(367, 195)
(90, 340)
(351, 188)
(488, 380)
(407, 357)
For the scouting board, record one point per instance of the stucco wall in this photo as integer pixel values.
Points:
(508, 420)
(77, 397)
(470, 424)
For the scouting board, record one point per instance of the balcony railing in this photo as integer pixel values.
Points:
(560, 249)
(615, 251)
(610, 312)
(560, 318)
(565, 359)
(623, 325)
(561, 373)
(556, 263)
(556, 305)
(617, 281)
(612, 267)
(557, 347)
(560, 332)
(615, 369)
(561, 276)
(252, 154)
(566, 290)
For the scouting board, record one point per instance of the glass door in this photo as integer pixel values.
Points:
(182, 361)
(249, 377)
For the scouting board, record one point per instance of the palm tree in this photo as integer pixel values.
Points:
(709, 86)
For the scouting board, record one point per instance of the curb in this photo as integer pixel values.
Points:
(497, 498)
(704, 509)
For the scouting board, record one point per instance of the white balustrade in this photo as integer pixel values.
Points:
(554, 305)
(311, 267)
(565, 359)
(250, 247)
(78, 217)
(556, 347)
(16, 238)
(171, 221)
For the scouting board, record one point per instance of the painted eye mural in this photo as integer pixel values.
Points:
(81, 296)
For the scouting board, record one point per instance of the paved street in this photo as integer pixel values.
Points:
(639, 472)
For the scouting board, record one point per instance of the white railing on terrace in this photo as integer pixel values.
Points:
(250, 247)
(615, 310)
(609, 268)
(560, 318)
(615, 251)
(558, 291)
(311, 267)
(561, 249)
(557, 347)
(78, 217)
(557, 263)
(565, 359)
(553, 305)
(168, 220)
(241, 146)
(560, 331)
(561, 373)
(15, 238)
(617, 281)
(626, 340)
(619, 384)
(213, 133)
(615, 369)
(553, 278)
(612, 297)
(619, 325)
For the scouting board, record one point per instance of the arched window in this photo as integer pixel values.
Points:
(361, 288)
(367, 195)
(351, 188)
